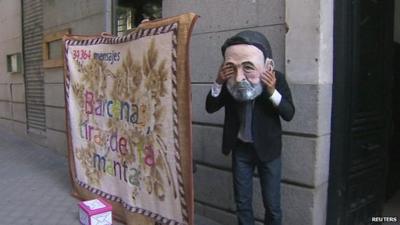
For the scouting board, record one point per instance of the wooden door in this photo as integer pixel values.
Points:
(361, 110)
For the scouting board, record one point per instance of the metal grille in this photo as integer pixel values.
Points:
(32, 30)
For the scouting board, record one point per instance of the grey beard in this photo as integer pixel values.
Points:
(243, 91)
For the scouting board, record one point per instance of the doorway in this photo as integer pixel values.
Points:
(362, 111)
(32, 34)
(392, 205)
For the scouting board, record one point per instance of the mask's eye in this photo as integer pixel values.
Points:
(248, 68)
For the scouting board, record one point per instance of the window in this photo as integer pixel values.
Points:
(14, 63)
(128, 13)
(53, 51)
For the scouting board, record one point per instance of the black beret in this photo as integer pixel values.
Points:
(251, 38)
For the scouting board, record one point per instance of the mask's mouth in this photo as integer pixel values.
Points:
(244, 84)
(243, 90)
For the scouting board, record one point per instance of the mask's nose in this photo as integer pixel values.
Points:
(240, 75)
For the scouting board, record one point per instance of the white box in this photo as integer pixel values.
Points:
(95, 212)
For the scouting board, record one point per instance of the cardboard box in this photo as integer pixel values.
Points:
(95, 212)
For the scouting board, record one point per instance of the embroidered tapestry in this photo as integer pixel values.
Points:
(128, 107)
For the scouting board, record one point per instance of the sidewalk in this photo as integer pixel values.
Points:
(35, 186)
(392, 209)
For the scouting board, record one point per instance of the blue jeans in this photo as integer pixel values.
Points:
(244, 161)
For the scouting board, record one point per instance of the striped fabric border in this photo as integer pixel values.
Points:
(175, 129)
(117, 40)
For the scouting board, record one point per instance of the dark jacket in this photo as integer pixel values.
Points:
(267, 131)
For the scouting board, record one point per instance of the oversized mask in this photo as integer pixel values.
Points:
(248, 64)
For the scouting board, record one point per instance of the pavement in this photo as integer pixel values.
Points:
(392, 209)
(35, 186)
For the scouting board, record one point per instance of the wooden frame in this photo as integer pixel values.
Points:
(47, 39)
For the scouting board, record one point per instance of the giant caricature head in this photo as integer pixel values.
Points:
(249, 54)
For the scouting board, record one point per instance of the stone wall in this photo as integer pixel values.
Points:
(305, 52)
(309, 65)
(12, 91)
(81, 17)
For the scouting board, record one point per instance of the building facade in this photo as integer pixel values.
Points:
(301, 35)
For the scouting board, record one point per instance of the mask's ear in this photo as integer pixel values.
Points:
(269, 64)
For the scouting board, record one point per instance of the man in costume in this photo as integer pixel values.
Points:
(254, 96)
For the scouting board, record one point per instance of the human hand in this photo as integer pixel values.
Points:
(145, 20)
(225, 72)
(268, 78)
